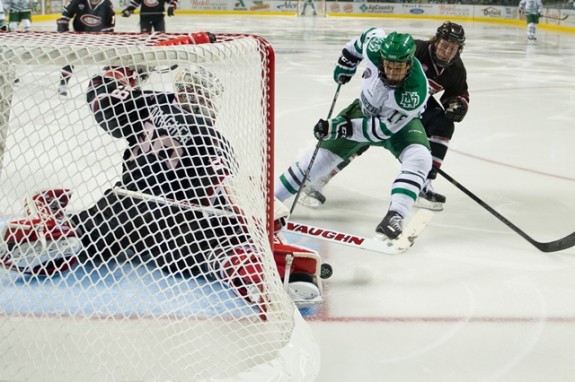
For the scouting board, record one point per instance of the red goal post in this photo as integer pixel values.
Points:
(130, 322)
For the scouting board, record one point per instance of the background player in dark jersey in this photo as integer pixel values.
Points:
(151, 13)
(442, 64)
(86, 16)
(445, 71)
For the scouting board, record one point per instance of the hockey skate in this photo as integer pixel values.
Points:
(63, 89)
(311, 198)
(429, 199)
(390, 227)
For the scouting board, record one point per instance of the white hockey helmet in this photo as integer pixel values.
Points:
(198, 90)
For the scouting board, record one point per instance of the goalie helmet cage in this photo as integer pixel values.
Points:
(130, 321)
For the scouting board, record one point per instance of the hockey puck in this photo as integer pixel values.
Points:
(326, 271)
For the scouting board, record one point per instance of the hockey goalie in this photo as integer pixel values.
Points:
(170, 209)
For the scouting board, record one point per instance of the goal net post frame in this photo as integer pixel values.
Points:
(45, 323)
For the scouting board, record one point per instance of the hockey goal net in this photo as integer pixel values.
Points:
(124, 318)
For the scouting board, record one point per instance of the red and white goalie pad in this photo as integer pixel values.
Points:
(241, 270)
(299, 269)
(44, 244)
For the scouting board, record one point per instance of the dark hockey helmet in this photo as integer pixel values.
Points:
(397, 52)
(199, 91)
(449, 38)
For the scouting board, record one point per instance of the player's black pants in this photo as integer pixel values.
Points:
(439, 130)
(176, 239)
(152, 23)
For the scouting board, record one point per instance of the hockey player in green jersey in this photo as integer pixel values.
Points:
(393, 95)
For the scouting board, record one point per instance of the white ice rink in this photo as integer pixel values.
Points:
(472, 300)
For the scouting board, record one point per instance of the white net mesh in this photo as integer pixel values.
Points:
(156, 263)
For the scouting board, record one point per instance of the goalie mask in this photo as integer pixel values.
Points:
(199, 91)
(447, 43)
(397, 52)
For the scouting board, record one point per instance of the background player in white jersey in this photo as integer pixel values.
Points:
(393, 94)
(3, 24)
(86, 16)
(20, 11)
(307, 3)
(440, 58)
(533, 10)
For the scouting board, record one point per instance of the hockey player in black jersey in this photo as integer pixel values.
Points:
(170, 209)
(151, 13)
(173, 173)
(86, 16)
(440, 57)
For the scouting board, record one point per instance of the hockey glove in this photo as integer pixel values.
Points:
(455, 108)
(339, 127)
(345, 68)
(171, 8)
(203, 38)
(130, 76)
(127, 12)
(63, 24)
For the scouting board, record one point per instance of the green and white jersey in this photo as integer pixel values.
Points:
(531, 7)
(385, 111)
(19, 5)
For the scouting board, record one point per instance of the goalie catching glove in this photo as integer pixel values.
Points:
(455, 108)
(339, 127)
(44, 244)
(345, 68)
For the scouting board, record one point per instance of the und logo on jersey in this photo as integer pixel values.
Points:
(409, 100)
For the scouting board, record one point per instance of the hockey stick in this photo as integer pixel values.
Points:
(389, 247)
(170, 202)
(552, 246)
(307, 171)
(556, 18)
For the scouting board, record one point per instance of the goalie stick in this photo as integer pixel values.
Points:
(389, 247)
(309, 166)
(175, 203)
(552, 246)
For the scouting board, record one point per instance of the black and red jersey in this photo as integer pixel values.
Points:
(172, 152)
(452, 79)
(89, 17)
(151, 7)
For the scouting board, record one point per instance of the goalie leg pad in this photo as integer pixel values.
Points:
(240, 268)
(33, 247)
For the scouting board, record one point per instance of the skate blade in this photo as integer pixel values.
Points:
(306, 201)
(426, 204)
